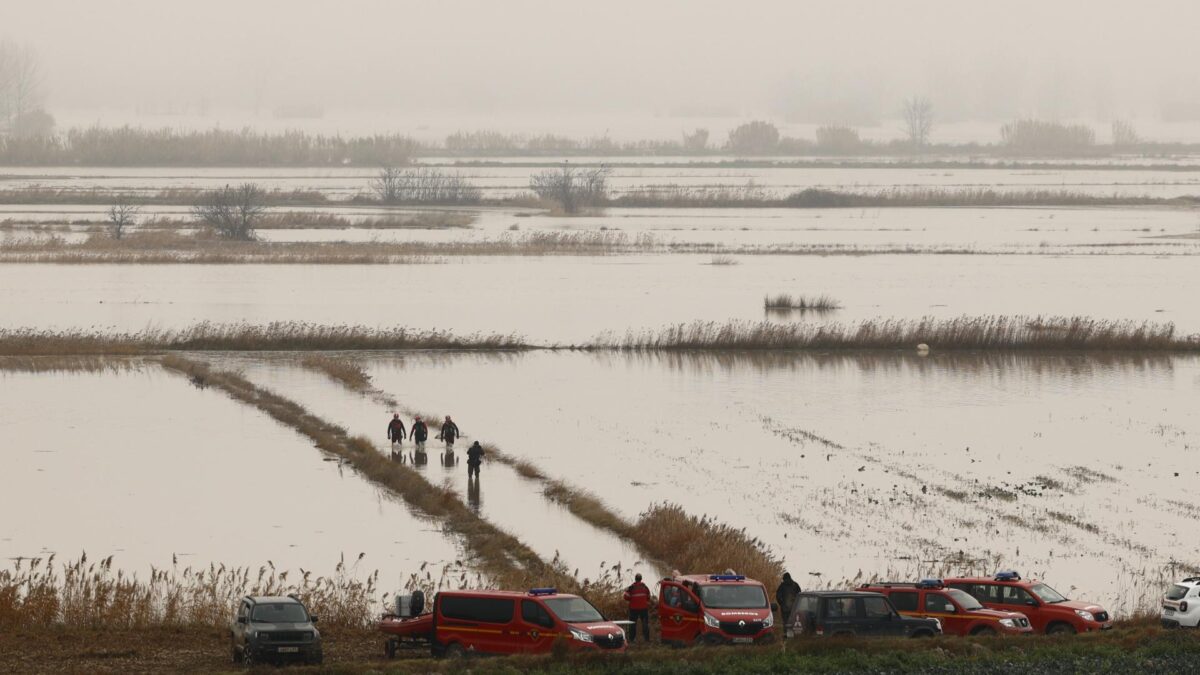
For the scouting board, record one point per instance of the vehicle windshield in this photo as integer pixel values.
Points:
(733, 596)
(1177, 592)
(573, 610)
(964, 599)
(1047, 594)
(279, 612)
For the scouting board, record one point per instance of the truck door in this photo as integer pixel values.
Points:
(939, 606)
(678, 613)
(877, 618)
(536, 632)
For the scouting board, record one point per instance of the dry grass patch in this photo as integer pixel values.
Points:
(276, 336)
(788, 301)
(696, 545)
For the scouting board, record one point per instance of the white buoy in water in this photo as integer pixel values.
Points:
(923, 349)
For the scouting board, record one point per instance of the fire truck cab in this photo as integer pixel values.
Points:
(714, 609)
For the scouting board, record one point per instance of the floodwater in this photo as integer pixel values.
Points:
(1071, 468)
(145, 467)
(509, 178)
(502, 497)
(573, 299)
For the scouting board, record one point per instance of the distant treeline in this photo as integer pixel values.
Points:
(136, 146)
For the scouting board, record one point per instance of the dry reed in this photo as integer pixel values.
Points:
(82, 594)
(701, 545)
(970, 333)
(276, 336)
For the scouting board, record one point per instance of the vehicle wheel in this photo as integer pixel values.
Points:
(984, 631)
(1060, 629)
(456, 651)
(389, 649)
(247, 657)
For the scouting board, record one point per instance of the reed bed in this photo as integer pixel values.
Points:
(313, 220)
(166, 197)
(206, 336)
(702, 545)
(69, 364)
(37, 593)
(969, 333)
(163, 246)
(788, 301)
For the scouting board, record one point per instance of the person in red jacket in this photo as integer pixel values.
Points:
(638, 597)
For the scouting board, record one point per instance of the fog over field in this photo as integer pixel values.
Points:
(615, 67)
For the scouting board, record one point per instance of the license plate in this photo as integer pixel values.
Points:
(289, 650)
(743, 641)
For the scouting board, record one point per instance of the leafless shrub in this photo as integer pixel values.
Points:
(1124, 135)
(232, 212)
(570, 187)
(753, 138)
(1039, 137)
(424, 186)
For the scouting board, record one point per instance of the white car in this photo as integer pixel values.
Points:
(1181, 605)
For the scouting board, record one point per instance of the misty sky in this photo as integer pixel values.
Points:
(791, 61)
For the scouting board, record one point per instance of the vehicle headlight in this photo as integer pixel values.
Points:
(258, 635)
(769, 621)
(937, 622)
(581, 635)
(711, 621)
(1087, 616)
(1008, 623)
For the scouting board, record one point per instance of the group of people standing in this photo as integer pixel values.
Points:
(396, 433)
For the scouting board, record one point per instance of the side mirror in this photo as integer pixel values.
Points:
(774, 606)
(313, 618)
(1031, 603)
(241, 619)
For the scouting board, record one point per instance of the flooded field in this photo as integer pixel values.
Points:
(143, 466)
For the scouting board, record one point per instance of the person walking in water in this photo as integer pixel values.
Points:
(638, 597)
(474, 459)
(449, 432)
(420, 433)
(395, 430)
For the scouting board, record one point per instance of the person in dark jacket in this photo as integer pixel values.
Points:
(474, 459)
(449, 432)
(395, 430)
(638, 597)
(420, 433)
(786, 596)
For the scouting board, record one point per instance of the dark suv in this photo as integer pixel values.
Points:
(274, 629)
(856, 613)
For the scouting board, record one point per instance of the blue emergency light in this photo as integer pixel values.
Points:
(930, 583)
(726, 577)
(1007, 575)
(543, 591)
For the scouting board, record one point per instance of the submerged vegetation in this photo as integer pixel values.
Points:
(971, 333)
(788, 301)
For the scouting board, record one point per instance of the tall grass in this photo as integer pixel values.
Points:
(206, 336)
(700, 545)
(982, 333)
(37, 593)
(788, 301)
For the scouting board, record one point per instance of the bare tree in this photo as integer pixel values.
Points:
(754, 138)
(20, 82)
(571, 187)
(121, 216)
(233, 212)
(697, 141)
(1124, 135)
(387, 184)
(918, 120)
